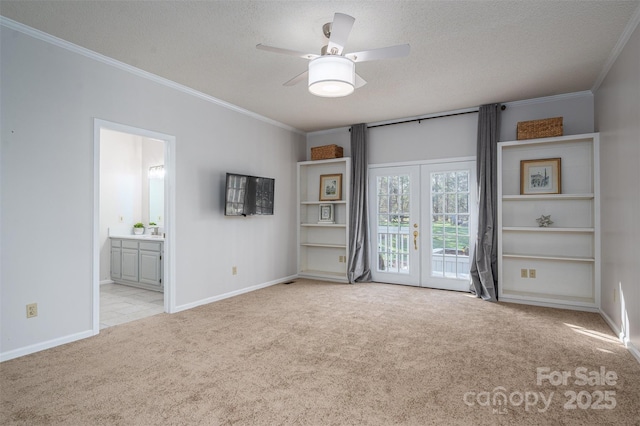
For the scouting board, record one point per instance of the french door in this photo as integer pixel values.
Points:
(394, 209)
(423, 224)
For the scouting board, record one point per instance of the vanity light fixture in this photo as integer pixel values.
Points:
(156, 172)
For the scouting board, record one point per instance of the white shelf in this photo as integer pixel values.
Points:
(323, 275)
(325, 225)
(543, 257)
(545, 229)
(554, 141)
(550, 300)
(537, 197)
(566, 255)
(340, 246)
(548, 296)
(322, 202)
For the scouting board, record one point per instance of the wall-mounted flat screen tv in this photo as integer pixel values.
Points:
(248, 195)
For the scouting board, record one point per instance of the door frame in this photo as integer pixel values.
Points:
(169, 213)
(422, 235)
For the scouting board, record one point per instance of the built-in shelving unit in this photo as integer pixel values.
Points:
(323, 247)
(564, 257)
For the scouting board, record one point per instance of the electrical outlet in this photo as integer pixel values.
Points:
(532, 273)
(32, 310)
(234, 270)
(524, 273)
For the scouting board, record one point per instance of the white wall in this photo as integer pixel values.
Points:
(617, 112)
(49, 99)
(120, 189)
(576, 110)
(449, 137)
(437, 138)
(121, 179)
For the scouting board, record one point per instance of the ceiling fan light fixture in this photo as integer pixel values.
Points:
(332, 76)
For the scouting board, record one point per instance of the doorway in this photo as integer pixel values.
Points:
(127, 191)
(423, 224)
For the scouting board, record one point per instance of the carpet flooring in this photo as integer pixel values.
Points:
(315, 353)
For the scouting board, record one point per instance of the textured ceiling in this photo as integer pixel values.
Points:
(463, 53)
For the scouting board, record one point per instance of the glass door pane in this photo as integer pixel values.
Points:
(394, 206)
(450, 208)
(393, 223)
(450, 224)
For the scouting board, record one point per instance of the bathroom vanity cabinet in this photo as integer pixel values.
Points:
(137, 262)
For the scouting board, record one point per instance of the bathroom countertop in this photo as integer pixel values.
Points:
(145, 237)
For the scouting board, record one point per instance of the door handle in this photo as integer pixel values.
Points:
(415, 239)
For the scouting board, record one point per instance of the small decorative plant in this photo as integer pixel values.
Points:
(152, 224)
(138, 228)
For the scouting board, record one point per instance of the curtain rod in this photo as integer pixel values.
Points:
(502, 107)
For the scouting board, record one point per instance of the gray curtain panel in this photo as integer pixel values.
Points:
(358, 269)
(484, 265)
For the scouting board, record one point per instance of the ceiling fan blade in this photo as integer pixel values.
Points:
(382, 53)
(297, 79)
(360, 81)
(286, 51)
(340, 29)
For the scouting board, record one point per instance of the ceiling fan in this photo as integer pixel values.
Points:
(332, 73)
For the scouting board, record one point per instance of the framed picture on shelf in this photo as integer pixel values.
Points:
(540, 176)
(331, 187)
(326, 214)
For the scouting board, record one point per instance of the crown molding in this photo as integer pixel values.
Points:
(48, 38)
(617, 49)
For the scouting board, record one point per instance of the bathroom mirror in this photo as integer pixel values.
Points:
(156, 195)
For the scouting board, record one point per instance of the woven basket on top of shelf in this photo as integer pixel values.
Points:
(326, 151)
(546, 128)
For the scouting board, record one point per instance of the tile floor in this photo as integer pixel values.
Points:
(121, 303)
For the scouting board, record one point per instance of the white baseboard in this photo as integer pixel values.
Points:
(5, 356)
(624, 339)
(106, 282)
(555, 305)
(634, 351)
(232, 293)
